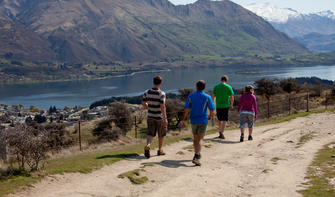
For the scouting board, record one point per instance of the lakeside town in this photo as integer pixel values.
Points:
(16, 114)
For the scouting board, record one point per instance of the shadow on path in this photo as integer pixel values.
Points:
(172, 163)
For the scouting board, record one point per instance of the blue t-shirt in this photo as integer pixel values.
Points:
(199, 102)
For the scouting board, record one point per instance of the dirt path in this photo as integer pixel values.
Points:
(274, 164)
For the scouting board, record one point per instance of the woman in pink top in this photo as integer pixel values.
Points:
(247, 108)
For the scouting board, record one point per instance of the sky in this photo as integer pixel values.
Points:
(305, 6)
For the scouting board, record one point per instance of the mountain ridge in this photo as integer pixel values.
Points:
(146, 30)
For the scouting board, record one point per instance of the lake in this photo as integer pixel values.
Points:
(83, 93)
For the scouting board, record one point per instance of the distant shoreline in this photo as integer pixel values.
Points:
(83, 79)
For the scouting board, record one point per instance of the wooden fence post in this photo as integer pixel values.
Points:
(3, 148)
(79, 133)
(289, 105)
(326, 102)
(269, 109)
(135, 127)
(307, 110)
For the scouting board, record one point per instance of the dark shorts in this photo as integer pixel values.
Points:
(156, 127)
(222, 114)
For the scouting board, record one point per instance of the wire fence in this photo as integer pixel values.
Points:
(277, 106)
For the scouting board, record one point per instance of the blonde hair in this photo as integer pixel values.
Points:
(249, 89)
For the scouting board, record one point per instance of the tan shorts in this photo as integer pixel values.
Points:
(199, 128)
(156, 127)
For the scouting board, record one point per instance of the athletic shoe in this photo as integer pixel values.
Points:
(147, 152)
(160, 153)
(196, 160)
(221, 136)
(242, 138)
(250, 138)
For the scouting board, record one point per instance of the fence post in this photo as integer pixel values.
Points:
(326, 102)
(3, 149)
(289, 105)
(307, 102)
(135, 127)
(79, 133)
(269, 109)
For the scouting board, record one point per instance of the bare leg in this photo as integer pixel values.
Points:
(220, 126)
(149, 139)
(224, 123)
(242, 131)
(195, 142)
(250, 131)
(199, 143)
(160, 143)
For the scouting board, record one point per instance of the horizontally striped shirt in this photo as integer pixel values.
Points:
(154, 97)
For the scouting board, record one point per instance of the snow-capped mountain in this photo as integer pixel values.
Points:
(300, 26)
(329, 14)
(273, 13)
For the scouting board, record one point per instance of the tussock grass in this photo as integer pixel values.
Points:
(321, 173)
(134, 176)
(305, 138)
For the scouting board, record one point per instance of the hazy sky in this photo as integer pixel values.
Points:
(300, 5)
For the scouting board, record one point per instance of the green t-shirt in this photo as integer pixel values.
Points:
(222, 93)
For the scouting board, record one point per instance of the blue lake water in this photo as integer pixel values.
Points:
(83, 93)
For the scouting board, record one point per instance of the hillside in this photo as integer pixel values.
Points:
(318, 42)
(146, 30)
(18, 42)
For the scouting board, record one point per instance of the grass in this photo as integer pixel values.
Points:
(275, 160)
(320, 173)
(89, 161)
(134, 176)
(305, 138)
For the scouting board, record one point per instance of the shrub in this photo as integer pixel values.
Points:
(26, 147)
(105, 132)
(333, 90)
(174, 112)
(184, 93)
(289, 85)
(267, 87)
(40, 119)
(121, 115)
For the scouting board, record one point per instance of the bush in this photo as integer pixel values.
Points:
(121, 116)
(289, 85)
(184, 93)
(105, 132)
(174, 112)
(267, 87)
(26, 147)
(333, 90)
(40, 119)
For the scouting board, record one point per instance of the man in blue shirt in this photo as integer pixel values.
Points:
(198, 104)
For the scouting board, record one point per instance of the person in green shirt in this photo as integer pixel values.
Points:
(224, 95)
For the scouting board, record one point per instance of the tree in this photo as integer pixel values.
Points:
(289, 85)
(121, 116)
(184, 93)
(267, 87)
(26, 147)
(40, 119)
(174, 112)
(105, 132)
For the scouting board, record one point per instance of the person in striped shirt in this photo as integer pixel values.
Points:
(154, 101)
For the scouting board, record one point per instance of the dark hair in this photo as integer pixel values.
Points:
(249, 89)
(201, 85)
(225, 78)
(158, 80)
